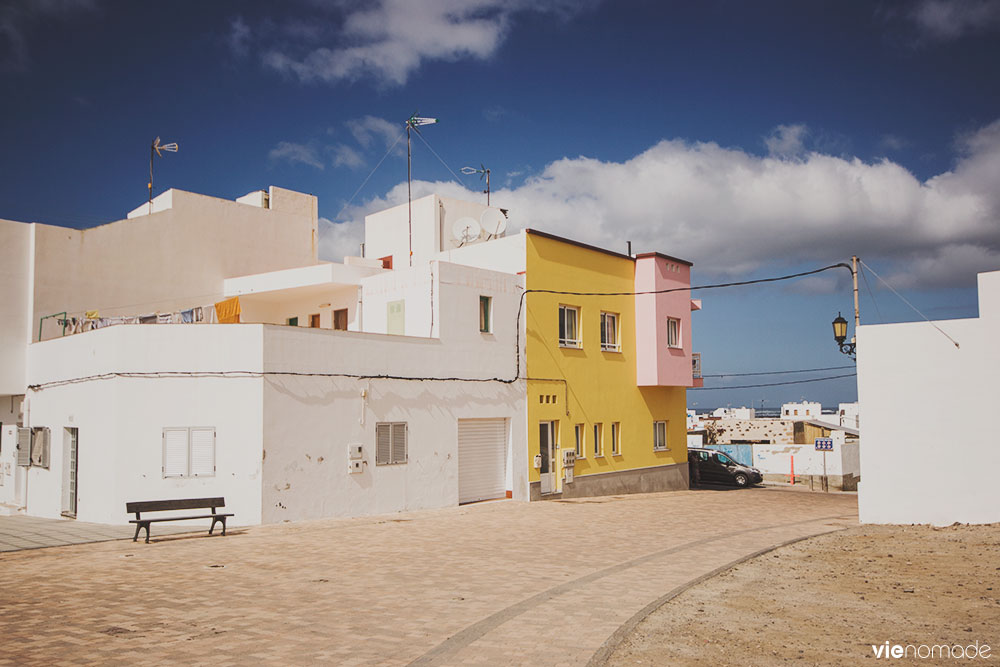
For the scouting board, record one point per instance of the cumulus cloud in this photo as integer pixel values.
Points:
(293, 153)
(345, 156)
(946, 20)
(732, 212)
(365, 130)
(786, 140)
(390, 39)
(17, 15)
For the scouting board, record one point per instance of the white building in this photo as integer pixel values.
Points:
(931, 468)
(389, 394)
(801, 410)
(735, 413)
(849, 415)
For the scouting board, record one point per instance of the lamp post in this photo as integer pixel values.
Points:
(840, 335)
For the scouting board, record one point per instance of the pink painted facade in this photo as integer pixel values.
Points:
(661, 362)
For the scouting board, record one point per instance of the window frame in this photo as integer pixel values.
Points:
(564, 341)
(615, 346)
(679, 343)
(580, 433)
(346, 319)
(616, 438)
(394, 428)
(598, 440)
(658, 445)
(485, 314)
(189, 443)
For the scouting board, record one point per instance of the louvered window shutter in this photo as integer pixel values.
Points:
(383, 444)
(175, 452)
(202, 452)
(399, 443)
(24, 446)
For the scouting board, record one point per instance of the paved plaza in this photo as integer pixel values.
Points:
(545, 583)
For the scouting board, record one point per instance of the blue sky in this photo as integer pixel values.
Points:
(754, 139)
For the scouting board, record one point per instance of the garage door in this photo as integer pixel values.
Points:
(482, 450)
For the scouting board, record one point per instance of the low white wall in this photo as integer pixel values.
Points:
(920, 465)
(777, 459)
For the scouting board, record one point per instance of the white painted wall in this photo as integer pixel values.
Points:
(920, 465)
(120, 420)
(15, 290)
(777, 459)
(802, 410)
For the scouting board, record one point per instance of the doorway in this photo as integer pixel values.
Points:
(546, 450)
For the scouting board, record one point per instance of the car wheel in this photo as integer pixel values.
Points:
(740, 479)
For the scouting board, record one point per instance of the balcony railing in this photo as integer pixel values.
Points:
(696, 365)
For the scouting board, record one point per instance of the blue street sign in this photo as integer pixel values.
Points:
(824, 444)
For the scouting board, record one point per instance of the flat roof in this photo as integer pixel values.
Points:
(641, 255)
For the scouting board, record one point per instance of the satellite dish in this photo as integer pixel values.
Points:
(493, 221)
(465, 230)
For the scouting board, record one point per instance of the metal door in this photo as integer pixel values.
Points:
(69, 477)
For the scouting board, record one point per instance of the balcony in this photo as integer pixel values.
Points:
(696, 379)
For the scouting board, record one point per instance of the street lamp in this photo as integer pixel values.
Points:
(840, 335)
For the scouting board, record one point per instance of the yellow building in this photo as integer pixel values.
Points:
(602, 418)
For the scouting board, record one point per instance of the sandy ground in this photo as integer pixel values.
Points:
(828, 599)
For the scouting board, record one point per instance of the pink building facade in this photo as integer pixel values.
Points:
(663, 322)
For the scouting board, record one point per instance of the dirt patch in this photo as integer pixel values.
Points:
(827, 600)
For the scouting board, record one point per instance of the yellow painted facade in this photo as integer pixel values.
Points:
(600, 386)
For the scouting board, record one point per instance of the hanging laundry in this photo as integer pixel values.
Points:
(211, 317)
(187, 316)
(199, 314)
(228, 311)
(147, 319)
(164, 318)
(93, 314)
(132, 319)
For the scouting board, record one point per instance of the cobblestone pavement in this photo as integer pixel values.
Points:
(19, 532)
(545, 583)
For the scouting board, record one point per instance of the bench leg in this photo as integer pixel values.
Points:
(138, 527)
(221, 520)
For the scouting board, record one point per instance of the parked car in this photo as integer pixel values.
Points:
(709, 465)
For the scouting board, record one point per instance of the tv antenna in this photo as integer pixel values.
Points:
(156, 148)
(413, 122)
(483, 172)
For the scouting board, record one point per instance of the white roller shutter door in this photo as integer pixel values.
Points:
(482, 455)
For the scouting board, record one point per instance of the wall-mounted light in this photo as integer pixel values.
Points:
(840, 335)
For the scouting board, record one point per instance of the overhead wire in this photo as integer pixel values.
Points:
(904, 300)
(800, 370)
(871, 294)
(456, 178)
(775, 384)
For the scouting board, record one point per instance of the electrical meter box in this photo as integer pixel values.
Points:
(355, 466)
(569, 458)
(356, 451)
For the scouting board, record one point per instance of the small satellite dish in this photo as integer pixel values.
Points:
(465, 230)
(493, 221)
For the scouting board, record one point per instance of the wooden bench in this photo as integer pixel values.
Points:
(165, 505)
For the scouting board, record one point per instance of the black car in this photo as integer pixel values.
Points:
(709, 465)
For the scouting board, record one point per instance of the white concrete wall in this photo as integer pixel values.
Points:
(920, 464)
(506, 255)
(11, 476)
(805, 409)
(309, 421)
(120, 420)
(16, 240)
(387, 233)
(777, 459)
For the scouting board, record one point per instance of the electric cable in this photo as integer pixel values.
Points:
(871, 294)
(456, 179)
(801, 370)
(775, 384)
(915, 309)
(370, 174)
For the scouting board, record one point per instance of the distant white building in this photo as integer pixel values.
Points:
(735, 413)
(849, 415)
(803, 410)
(931, 468)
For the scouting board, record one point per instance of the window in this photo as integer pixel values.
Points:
(314, 321)
(598, 439)
(673, 332)
(580, 451)
(390, 443)
(40, 446)
(386, 261)
(395, 317)
(569, 329)
(189, 451)
(486, 314)
(659, 436)
(340, 319)
(293, 321)
(609, 332)
(616, 439)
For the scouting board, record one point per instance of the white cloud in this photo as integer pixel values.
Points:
(786, 140)
(239, 37)
(946, 20)
(390, 39)
(345, 156)
(732, 212)
(365, 130)
(296, 153)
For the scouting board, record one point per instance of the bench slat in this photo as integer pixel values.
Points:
(179, 518)
(182, 504)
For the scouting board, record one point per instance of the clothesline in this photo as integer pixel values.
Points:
(227, 311)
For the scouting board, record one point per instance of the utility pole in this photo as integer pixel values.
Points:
(412, 122)
(857, 312)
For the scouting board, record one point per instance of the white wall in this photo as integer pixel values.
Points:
(776, 459)
(919, 463)
(15, 290)
(120, 420)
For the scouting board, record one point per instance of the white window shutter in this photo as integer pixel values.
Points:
(383, 444)
(202, 452)
(399, 443)
(24, 446)
(175, 452)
